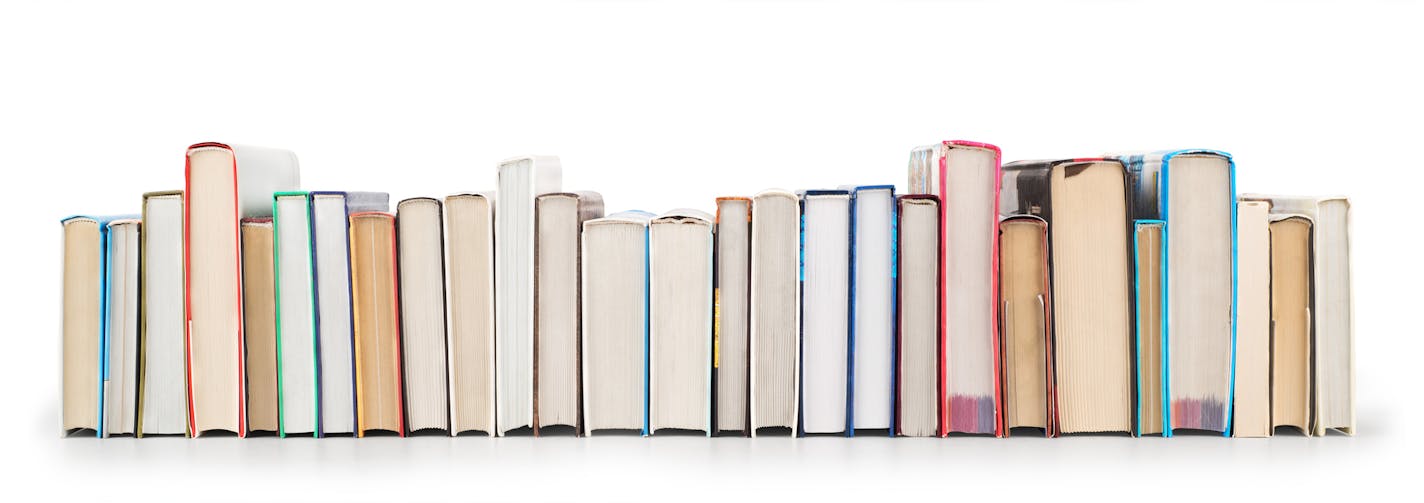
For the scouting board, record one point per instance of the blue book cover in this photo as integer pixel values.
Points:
(857, 240)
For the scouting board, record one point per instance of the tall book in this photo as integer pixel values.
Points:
(162, 404)
(1085, 204)
(1025, 301)
(331, 273)
(731, 313)
(559, 219)
(375, 301)
(121, 331)
(615, 322)
(259, 321)
(680, 322)
(871, 341)
(421, 254)
(775, 312)
(521, 179)
(298, 406)
(918, 316)
(1251, 403)
(469, 275)
(223, 185)
(825, 312)
(966, 176)
(1194, 193)
(86, 254)
(1332, 355)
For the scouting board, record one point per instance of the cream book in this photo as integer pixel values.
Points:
(83, 326)
(680, 322)
(469, 309)
(918, 337)
(558, 264)
(162, 400)
(121, 330)
(615, 322)
(420, 251)
(731, 313)
(775, 312)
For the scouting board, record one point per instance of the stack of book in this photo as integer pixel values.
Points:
(1136, 294)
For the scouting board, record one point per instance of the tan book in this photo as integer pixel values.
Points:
(558, 223)
(422, 306)
(259, 318)
(1148, 236)
(379, 403)
(680, 322)
(775, 313)
(615, 322)
(1023, 298)
(1291, 334)
(469, 270)
(1251, 406)
(82, 325)
(918, 316)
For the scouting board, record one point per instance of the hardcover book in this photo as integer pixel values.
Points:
(162, 403)
(84, 325)
(375, 301)
(422, 313)
(680, 322)
(871, 371)
(731, 313)
(775, 312)
(918, 312)
(1251, 402)
(121, 332)
(559, 219)
(1025, 307)
(1150, 296)
(469, 273)
(259, 320)
(825, 311)
(615, 322)
(223, 185)
(297, 406)
(966, 175)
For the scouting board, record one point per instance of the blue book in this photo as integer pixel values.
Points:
(871, 341)
(825, 313)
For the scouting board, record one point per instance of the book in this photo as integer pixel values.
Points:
(680, 322)
(731, 302)
(1251, 401)
(775, 313)
(1149, 297)
(1332, 354)
(331, 275)
(966, 176)
(615, 322)
(559, 219)
(223, 185)
(1291, 341)
(297, 405)
(825, 312)
(919, 317)
(871, 338)
(259, 320)
(162, 403)
(469, 276)
(420, 250)
(121, 307)
(1025, 305)
(1194, 192)
(521, 179)
(375, 303)
(1085, 204)
(84, 324)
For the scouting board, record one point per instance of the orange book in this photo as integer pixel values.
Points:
(376, 313)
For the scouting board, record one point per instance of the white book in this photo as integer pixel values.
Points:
(422, 308)
(872, 335)
(919, 320)
(521, 179)
(296, 316)
(615, 322)
(163, 394)
(121, 375)
(331, 267)
(1251, 403)
(557, 264)
(825, 308)
(775, 313)
(680, 320)
(469, 276)
(732, 307)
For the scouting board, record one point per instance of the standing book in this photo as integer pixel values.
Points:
(871, 344)
(680, 322)
(825, 312)
(162, 405)
(731, 309)
(259, 321)
(375, 301)
(1025, 304)
(86, 261)
(298, 406)
(121, 331)
(1251, 403)
(918, 315)
(558, 263)
(469, 273)
(775, 312)
(422, 313)
(615, 322)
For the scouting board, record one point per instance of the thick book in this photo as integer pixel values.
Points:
(420, 250)
(1025, 314)
(331, 276)
(1251, 401)
(1150, 297)
(966, 176)
(615, 322)
(731, 296)
(1194, 193)
(680, 322)
(825, 312)
(298, 406)
(1085, 203)
(469, 275)
(223, 185)
(162, 401)
(775, 312)
(871, 339)
(121, 330)
(259, 321)
(521, 179)
(918, 314)
(1331, 319)
(558, 223)
(375, 301)
(84, 324)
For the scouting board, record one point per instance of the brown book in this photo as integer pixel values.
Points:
(1291, 281)
(379, 400)
(1147, 246)
(1023, 298)
(259, 318)
(82, 324)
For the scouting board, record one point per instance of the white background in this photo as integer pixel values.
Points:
(660, 106)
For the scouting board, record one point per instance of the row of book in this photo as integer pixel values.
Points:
(1125, 293)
